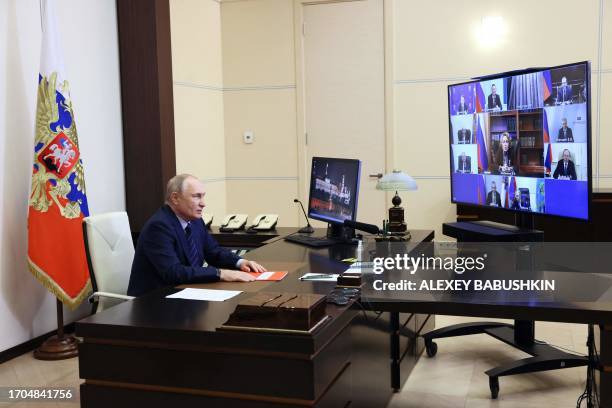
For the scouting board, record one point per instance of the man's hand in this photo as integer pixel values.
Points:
(228, 275)
(251, 266)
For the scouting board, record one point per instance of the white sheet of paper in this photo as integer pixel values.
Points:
(265, 275)
(314, 278)
(361, 267)
(212, 295)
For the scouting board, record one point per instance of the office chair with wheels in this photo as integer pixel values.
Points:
(110, 252)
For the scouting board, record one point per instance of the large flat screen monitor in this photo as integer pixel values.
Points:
(522, 141)
(334, 189)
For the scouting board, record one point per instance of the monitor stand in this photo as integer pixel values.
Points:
(521, 334)
(341, 233)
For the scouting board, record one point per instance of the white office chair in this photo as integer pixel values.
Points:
(110, 252)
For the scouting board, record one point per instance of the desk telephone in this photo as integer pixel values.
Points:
(263, 222)
(233, 222)
(208, 219)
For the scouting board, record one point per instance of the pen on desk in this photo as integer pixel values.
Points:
(311, 277)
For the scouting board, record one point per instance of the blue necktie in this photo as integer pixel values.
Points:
(192, 247)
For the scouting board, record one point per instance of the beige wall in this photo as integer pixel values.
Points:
(431, 45)
(259, 95)
(432, 50)
(233, 68)
(198, 97)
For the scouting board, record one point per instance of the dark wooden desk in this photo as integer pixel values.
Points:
(243, 239)
(155, 350)
(579, 296)
(162, 351)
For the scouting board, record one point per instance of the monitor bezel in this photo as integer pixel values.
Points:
(358, 182)
(589, 140)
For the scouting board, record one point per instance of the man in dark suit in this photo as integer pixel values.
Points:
(462, 107)
(174, 244)
(494, 101)
(493, 198)
(565, 168)
(464, 136)
(565, 133)
(564, 92)
(465, 164)
(516, 201)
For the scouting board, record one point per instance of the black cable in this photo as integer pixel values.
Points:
(590, 389)
(595, 364)
(365, 315)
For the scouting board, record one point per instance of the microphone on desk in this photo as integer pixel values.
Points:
(308, 228)
(362, 226)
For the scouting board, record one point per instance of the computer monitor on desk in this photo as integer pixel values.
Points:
(334, 192)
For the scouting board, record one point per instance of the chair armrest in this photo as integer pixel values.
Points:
(94, 296)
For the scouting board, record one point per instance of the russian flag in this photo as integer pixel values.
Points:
(483, 160)
(545, 126)
(547, 84)
(548, 157)
(512, 189)
(507, 202)
(480, 98)
(58, 202)
(482, 192)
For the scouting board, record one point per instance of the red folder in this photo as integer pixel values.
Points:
(269, 276)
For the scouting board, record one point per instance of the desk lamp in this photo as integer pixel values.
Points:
(397, 181)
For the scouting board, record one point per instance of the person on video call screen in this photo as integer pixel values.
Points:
(493, 197)
(565, 133)
(465, 164)
(505, 156)
(565, 168)
(494, 101)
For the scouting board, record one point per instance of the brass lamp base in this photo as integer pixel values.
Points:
(394, 237)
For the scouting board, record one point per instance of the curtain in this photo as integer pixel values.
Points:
(526, 91)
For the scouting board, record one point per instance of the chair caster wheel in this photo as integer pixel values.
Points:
(494, 386)
(431, 348)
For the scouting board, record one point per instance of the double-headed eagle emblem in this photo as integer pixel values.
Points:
(56, 152)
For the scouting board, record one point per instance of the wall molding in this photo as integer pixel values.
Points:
(426, 80)
(258, 88)
(198, 86)
(431, 177)
(218, 88)
(249, 178)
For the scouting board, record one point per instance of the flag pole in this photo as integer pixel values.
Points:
(59, 346)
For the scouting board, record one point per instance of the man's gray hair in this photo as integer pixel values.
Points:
(176, 184)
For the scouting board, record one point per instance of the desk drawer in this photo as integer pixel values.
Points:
(284, 375)
(98, 394)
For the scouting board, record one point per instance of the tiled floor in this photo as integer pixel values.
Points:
(453, 378)
(25, 371)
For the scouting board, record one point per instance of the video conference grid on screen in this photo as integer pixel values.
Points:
(521, 142)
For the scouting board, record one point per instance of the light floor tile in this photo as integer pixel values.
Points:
(417, 399)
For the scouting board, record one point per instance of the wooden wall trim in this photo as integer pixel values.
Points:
(147, 104)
